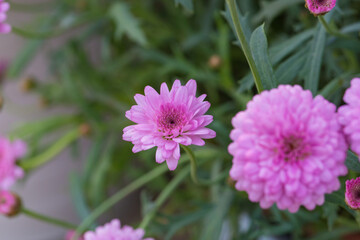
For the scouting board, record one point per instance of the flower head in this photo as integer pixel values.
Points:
(9, 203)
(114, 231)
(288, 149)
(349, 115)
(4, 7)
(9, 153)
(320, 7)
(352, 194)
(168, 119)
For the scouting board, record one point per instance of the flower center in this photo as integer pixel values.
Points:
(356, 193)
(171, 118)
(293, 148)
(323, 3)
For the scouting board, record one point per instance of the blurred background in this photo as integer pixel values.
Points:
(76, 64)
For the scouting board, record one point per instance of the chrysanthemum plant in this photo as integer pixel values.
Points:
(235, 122)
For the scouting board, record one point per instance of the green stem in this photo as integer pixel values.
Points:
(47, 219)
(52, 151)
(107, 204)
(331, 30)
(193, 164)
(163, 196)
(244, 44)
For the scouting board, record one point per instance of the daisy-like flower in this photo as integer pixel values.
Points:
(288, 149)
(320, 7)
(9, 153)
(9, 203)
(4, 7)
(349, 115)
(352, 194)
(168, 119)
(114, 231)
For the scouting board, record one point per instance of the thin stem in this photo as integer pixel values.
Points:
(244, 44)
(47, 219)
(164, 195)
(52, 151)
(331, 30)
(193, 164)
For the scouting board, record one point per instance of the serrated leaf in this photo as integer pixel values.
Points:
(126, 23)
(259, 50)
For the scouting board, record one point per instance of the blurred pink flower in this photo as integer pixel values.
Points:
(9, 203)
(114, 231)
(320, 7)
(349, 115)
(4, 7)
(288, 149)
(9, 153)
(352, 194)
(70, 234)
(168, 119)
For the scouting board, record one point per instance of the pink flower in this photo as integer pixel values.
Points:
(9, 153)
(352, 194)
(70, 234)
(349, 115)
(4, 7)
(288, 149)
(113, 231)
(168, 119)
(320, 7)
(9, 203)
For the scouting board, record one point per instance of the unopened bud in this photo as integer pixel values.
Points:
(214, 61)
(85, 129)
(28, 84)
(10, 203)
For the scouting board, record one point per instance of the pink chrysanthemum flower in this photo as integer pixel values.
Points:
(71, 234)
(9, 203)
(352, 194)
(168, 119)
(288, 149)
(320, 7)
(4, 7)
(9, 153)
(113, 231)
(349, 115)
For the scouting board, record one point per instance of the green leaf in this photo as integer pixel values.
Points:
(259, 50)
(352, 162)
(126, 23)
(188, 5)
(330, 213)
(338, 198)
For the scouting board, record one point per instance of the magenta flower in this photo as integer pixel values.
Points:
(168, 119)
(4, 7)
(352, 194)
(320, 7)
(71, 234)
(349, 115)
(288, 149)
(9, 153)
(9, 203)
(114, 231)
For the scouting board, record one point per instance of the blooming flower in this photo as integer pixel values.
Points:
(352, 194)
(349, 115)
(70, 235)
(320, 7)
(9, 203)
(288, 149)
(9, 153)
(4, 7)
(168, 119)
(114, 231)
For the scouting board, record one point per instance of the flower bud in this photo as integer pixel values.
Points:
(352, 193)
(214, 61)
(10, 203)
(320, 7)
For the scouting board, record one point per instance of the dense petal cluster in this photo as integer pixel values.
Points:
(9, 203)
(320, 7)
(4, 7)
(349, 115)
(9, 153)
(288, 149)
(113, 231)
(168, 119)
(352, 194)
